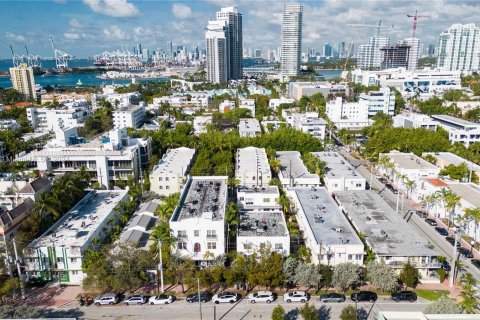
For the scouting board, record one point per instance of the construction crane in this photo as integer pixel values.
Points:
(415, 18)
(16, 59)
(378, 26)
(32, 61)
(61, 57)
(348, 56)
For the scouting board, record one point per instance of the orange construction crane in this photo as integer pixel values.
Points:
(415, 18)
(348, 56)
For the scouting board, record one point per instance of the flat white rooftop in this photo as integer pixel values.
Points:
(329, 225)
(291, 165)
(250, 125)
(77, 226)
(456, 122)
(263, 190)
(454, 159)
(251, 159)
(337, 167)
(385, 231)
(468, 191)
(262, 224)
(409, 161)
(175, 161)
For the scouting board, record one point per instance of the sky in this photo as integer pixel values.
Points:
(84, 28)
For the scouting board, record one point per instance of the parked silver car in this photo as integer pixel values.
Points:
(107, 298)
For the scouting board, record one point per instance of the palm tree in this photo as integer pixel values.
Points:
(474, 215)
(275, 164)
(409, 185)
(451, 201)
(233, 183)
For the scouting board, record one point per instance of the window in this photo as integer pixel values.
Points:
(196, 233)
(160, 187)
(181, 234)
(359, 257)
(167, 187)
(358, 185)
(211, 245)
(349, 257)
(242, 198)
(166, 179)
(211, 233)
(74, 273)
(278, 246)
(60, 259)
(266, 200)
(73, 260)
(160, 178)
(182, 246)
(196, 247)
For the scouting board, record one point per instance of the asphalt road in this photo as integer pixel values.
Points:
(242, 310)
(428, 232)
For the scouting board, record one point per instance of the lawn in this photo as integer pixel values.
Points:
(431, 294)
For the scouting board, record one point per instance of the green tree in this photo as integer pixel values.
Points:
(8, 287)
(409, 276)
(326, 272)
(444, 305)
(381, 276)
(278, 313)
(345, 275)
(348, 313)
(309, 312)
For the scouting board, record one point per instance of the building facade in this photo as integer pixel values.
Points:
(459, 130)
(234, 37)
(217, 54)
(459, 48)
(252, 167)
(23, 80)
(291, 39)
(129, 117)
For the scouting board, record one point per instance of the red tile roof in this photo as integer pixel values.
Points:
(437, 182)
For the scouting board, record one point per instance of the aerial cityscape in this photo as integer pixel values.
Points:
(232, 159)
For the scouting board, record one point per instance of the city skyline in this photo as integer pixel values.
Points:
(89, 27)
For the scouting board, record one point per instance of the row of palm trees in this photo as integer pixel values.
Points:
(389, 167)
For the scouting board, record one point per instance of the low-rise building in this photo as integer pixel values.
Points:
(249, 127)
(62, 97)
(308, 122)
(198, 222)
(9, 124)
(252, 198)
(170, 174)
(67, 116)
(138, 229)
(252, 167)
(459, 130)
(390, 237)
(382, 100)
(11, 219)
(131, 116)
(339, 175)
(275, 103)
(226, 106)
(444, 159)
(183, 100)
(293, 172)
(200, 123)
(349, 115)
(247, 104)
(297, 90)
(329, 236)
(408, 171)
(412, 120)
(57, 255)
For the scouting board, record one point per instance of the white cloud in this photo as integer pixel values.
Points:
(114, 33)
(72, 36)
(74, 23)
(113, 8)
(15, 37)
(181, 11)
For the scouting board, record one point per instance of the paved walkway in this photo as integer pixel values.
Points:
(53, 295)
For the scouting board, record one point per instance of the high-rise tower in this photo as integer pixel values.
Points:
(23, 80)
(291, 39)
(234, 36)
(217, 58)
(459, 48)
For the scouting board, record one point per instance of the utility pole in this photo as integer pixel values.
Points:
(160, 264)
(398, 200)
(454, 260)
(20, 275)
(199, 298)
(7, 258)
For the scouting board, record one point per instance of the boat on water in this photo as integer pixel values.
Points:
(79, 83)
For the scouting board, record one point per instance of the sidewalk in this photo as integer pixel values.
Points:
(53, 296)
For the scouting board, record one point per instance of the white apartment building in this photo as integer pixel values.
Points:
(348, 115)
(107, 159)
(217, 55)
(249, 127)
(23, 80)
(379, 101)
(57, 254)
(412, 168)
(247, 104)
(291, 39)
(414, 53)
(293, 173)
(170, 174)
(48, 119)
(308, 122)
(252, 167)
(297, 90)
(369, 55)
(328, 234)
(187, 99)
(459, 48)
(339, 174)
(198, 222)
(459, 130)
(132, 116)
(226, 106)
(275, 103)
(390, 237)
(200, 123)
(262, 223)
(413, 120)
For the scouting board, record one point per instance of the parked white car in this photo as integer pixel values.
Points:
(261, 296)
(296, 296)
(226, 297)
(161, 299)
(107, 298)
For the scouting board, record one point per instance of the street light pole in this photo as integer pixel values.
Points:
(20, 275)
(199, 298)
(160, 264)
(454, 260)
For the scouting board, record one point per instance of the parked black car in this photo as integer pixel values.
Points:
(404, 296)
(451, 240)
(442, 231)
(421, 213)
(431, 222)
(446, 266)
(194, 297)
(465, 252)
(476, 263)
(364, 296)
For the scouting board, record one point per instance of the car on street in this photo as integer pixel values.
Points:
(224, 297)
(107, 298)
(195, 297)
(296, 296)
(476, 263)
(465, 252)
(421, 213)
(431, 222)
(135, 299)
(161, 299)
(261, 296)
(364, 296)
(442, 231)
(404, 296)
(446, 266)
(451, 240)
(332, 297)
